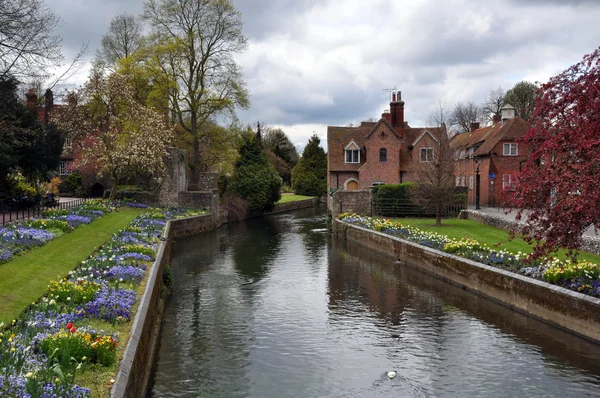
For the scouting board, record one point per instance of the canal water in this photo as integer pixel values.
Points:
(273, 307)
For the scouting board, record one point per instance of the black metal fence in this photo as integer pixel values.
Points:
(9, 215)
(406, 208)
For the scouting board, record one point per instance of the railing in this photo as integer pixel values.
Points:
(36, 211)
(406, 208)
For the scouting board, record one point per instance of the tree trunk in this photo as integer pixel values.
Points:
(195, 166)
(113, 191)
(438, 216)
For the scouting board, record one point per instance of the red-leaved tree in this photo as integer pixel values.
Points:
(558, 190)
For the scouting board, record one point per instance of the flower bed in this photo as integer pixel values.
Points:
(74, 328)
(583, 277)
(20, 237)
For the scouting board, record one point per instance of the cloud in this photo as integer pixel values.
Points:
(313, 63)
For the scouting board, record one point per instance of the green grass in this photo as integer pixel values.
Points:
(25, 279)
(459, 228)
(286, 198)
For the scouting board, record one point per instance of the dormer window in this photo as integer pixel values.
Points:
(68, 143)
(511, 149)
(352, 153)
(426, 155)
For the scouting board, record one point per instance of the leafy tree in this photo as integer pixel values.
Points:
(493, 104)
(522, 96)
(114, 133)
(463, 115)
(309, 177)
(26, 145)
(193, 47)
(559, 181)
(280, 151)
(275, 140)
(27, 45)
(254, 178)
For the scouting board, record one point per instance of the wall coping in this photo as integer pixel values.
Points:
(523, 278)
(119, 388)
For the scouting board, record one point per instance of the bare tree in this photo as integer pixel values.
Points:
(435, 176)
(493, 104)
(440, 116)
(123, 38)
(463, 115)
(27, 46)
(195, 45)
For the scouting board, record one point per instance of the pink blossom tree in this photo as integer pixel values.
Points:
(113, 133)
(558, 190)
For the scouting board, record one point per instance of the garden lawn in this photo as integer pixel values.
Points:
(286, 198)
(25, 279)
(459, 228)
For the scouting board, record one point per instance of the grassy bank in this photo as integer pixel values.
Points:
(286, 198)
(25, 279)
(459, 228)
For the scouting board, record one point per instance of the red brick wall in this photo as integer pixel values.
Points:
(374, 170)
(414, 159)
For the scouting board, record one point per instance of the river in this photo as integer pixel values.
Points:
(273, 307)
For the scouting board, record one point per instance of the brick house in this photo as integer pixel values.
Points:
(495, 151)
(383, 152)
(96, 186)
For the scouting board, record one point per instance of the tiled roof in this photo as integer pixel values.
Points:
(486, 138)
(337, 139)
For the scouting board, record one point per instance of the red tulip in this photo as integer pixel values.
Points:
(73, 330)
(69, 325)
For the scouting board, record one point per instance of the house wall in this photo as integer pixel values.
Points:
(374, 170)
(413, 159)
(508, 165)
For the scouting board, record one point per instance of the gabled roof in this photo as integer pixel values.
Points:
(486, 138)
(386, 123)
(425, 131)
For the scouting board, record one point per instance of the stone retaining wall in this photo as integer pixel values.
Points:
(568, 310)
(589, 243)
(135, 368)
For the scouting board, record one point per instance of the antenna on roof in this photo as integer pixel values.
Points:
(393, 93)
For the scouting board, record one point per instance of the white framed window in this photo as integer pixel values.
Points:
(65, 168)
(458, 181)
(509, 182)
(68, 143)
(426, 155)
(471, 182)
(378, 183)
(352, 156)
(462, 181)
(511, 149)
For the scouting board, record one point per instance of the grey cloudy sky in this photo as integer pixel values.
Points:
(313, 63)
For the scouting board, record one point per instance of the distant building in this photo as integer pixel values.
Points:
(374, 153)
(495, 151)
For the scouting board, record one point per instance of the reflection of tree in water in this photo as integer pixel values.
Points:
(255, 244)
(314, 242)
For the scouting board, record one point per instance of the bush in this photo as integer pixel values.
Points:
(393, 200)
(73, 183)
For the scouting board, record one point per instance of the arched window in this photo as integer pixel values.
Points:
(383, 155)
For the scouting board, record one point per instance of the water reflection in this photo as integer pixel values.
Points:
(270, 308)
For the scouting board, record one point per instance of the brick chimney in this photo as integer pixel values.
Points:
(474, 126)
(48, 104)
(397, 110)
(387, 116)
(496, 119)
(31, 99)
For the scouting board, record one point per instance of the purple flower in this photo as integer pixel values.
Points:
(126, 273)
(111, 304)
